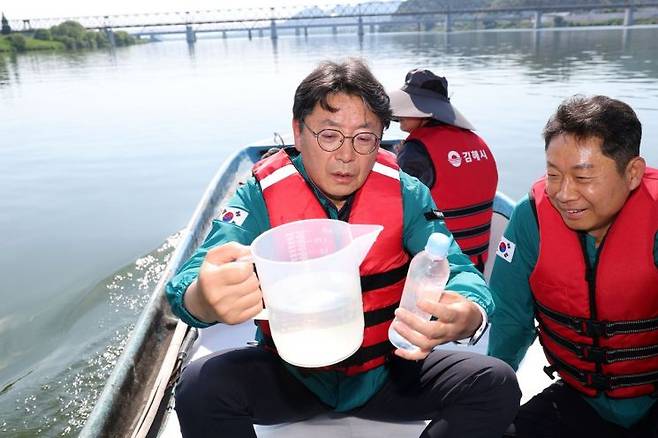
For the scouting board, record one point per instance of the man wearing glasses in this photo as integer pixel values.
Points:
(337, 171)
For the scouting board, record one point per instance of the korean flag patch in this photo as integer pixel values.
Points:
(506, 249)
(232, 215)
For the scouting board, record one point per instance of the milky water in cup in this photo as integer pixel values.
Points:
(316, 325)
(309, 274)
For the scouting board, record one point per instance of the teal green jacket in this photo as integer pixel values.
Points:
(333, 388)
(513, 323)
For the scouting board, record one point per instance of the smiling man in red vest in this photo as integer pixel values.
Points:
(580, 256)
(337, 171)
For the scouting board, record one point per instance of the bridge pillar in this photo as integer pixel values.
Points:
(249, 34)
(448, 22)
(224, 34)
(360, 31)
(334, 30)
(628, 17)
(190, 35)
(372, 28)
(273, 33)
(537, 22)
(419, 25)
(305, 31)
(110, 36)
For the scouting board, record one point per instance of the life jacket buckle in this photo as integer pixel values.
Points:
(594, 328)
(595, 354)
(598, 381)
(550, 370)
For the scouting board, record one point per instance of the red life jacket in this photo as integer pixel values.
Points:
(464, 185)
(599, 325)
(378, 201)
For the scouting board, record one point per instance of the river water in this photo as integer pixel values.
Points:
(103, 156)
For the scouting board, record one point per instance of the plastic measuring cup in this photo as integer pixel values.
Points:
(309, 275)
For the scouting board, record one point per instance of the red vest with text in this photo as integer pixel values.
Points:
(383, 271)
(465, 180)
(599, 325)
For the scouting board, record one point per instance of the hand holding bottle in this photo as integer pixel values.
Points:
(458, 318)
(423, 296)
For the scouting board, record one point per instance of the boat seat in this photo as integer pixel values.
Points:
(343, 426)
(325, 426)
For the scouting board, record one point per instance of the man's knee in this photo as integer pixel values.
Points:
(497, 382)
(206, 383)
(190, 392)
(487, 371)
(504, 378)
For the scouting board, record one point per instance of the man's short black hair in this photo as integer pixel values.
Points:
(350, 77)
(611, 120)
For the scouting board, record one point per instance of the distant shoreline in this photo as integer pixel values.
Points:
(35, 45)
(69, 35)
(32, 45)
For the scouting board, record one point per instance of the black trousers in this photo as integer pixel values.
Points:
(463, 394)
(560, 411)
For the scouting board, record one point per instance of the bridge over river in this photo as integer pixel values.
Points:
(362, 16)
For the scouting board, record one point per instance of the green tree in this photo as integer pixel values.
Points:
(123, 38)
(102, 41)
(69, 28)
(6, 29)
(18, 42)
(559, 21)
(43, 34)
(69, 43)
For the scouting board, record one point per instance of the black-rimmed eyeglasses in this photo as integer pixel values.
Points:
(329, 140)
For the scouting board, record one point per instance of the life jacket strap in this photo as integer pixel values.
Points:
(383, 279)
(603, 355)
(471, 232)
(467, 211)
(600, 381)
(596, 328)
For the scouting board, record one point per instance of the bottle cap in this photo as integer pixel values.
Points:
(437, 245)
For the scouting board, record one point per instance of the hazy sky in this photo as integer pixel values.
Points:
(21, 9)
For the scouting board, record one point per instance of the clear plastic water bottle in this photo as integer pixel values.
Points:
(427, 276)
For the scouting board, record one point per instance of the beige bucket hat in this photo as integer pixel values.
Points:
(425, 94)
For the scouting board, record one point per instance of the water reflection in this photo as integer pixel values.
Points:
(4, 71)
(191, 51)
(545, 55)
(275, 51)
(536, 41)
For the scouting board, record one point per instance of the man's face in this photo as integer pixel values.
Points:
(340, 173)
(585, 186)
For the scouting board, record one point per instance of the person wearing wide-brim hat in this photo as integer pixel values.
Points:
(444, 153)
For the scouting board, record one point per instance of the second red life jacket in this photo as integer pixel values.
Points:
(465, 181)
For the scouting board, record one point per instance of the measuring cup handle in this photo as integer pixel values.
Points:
(263, 314)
